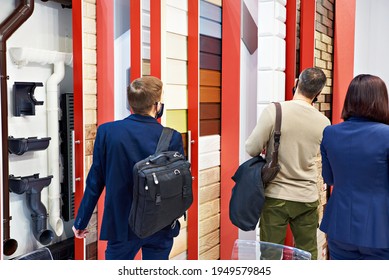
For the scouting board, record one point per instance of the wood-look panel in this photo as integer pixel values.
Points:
(184, 137)
(210, 28)
(209, 160)
(210, 61)
(215, 2)
(209, 241)
(209, 209)
(212, 254)
(210, 143)
(209, 225)
(210, 111)
(209, 176)
(210, 78)
(209, 127)
(177, 119)
(176, 46)
(176, 21)
(209, 192)
(175, 97)
(176, 72)
(210, 11)
(210, 94)
(210, 45)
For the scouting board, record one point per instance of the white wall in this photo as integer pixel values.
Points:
(122, 58)
(248, 97)
(48, 28)
(371, 38)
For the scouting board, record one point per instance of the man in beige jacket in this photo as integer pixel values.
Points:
(292, 197)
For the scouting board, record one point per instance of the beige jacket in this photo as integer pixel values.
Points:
(301, 134)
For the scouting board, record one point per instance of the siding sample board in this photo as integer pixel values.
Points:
(209, 143)
(175, 97)
(208, 160)
(210, 45)
(177, 119)
(215, 2)
(209, 225)
(210, 78)
(210, 11)
(209, 94)
(210, 111)
(209, 241)
(176, 21)
(209, 176)
(176, 46)
(210, 28)
(210, 61)
(210, 127)
(208, 193)
(176, 72)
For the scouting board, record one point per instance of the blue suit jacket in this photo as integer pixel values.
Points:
(355, 156)
(118, 146)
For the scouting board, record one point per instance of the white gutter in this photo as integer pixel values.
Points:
(21, 57)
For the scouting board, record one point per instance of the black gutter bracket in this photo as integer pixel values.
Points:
(24, 100)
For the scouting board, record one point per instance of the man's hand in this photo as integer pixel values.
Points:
(80, 233)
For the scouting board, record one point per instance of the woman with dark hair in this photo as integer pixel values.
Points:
(355, 158)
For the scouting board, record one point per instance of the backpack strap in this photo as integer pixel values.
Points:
(277, 132)
(164, 140)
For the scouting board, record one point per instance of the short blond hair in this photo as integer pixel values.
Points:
(143, 93)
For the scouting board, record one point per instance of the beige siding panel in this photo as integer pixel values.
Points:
(209, 225)
(176, 72)
(180, 244)
(209, 143)
(145, 67)
(216, 2)
(212, 254)
(209, 209)
(181, 257)
(176, 21)
(177, 119)
(208, 160)
(209, 176)
(208, 193)
(175, 97)
(179, 4)
(209, 241)
(176, 46)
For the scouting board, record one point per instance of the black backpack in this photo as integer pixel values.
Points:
(162, 189)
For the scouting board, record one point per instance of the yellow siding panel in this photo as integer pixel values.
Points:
(177, 119)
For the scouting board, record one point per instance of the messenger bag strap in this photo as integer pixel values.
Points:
(277, 132)
(164, 140)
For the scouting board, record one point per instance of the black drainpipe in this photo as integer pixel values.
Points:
(7, 28)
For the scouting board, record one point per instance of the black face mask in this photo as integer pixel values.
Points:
(160, 112)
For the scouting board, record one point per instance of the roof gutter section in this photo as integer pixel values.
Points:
(7, 28)
(21, 57)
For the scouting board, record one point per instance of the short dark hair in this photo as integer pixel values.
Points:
(143, 93)
(367, 96)
(311, 82)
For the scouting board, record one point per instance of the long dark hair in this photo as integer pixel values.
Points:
(367, 96)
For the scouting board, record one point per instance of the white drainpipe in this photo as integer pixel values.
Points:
(22, 56)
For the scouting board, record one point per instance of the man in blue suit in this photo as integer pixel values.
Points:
(118, 146)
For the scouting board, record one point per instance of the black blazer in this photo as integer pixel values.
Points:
(118, 146)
